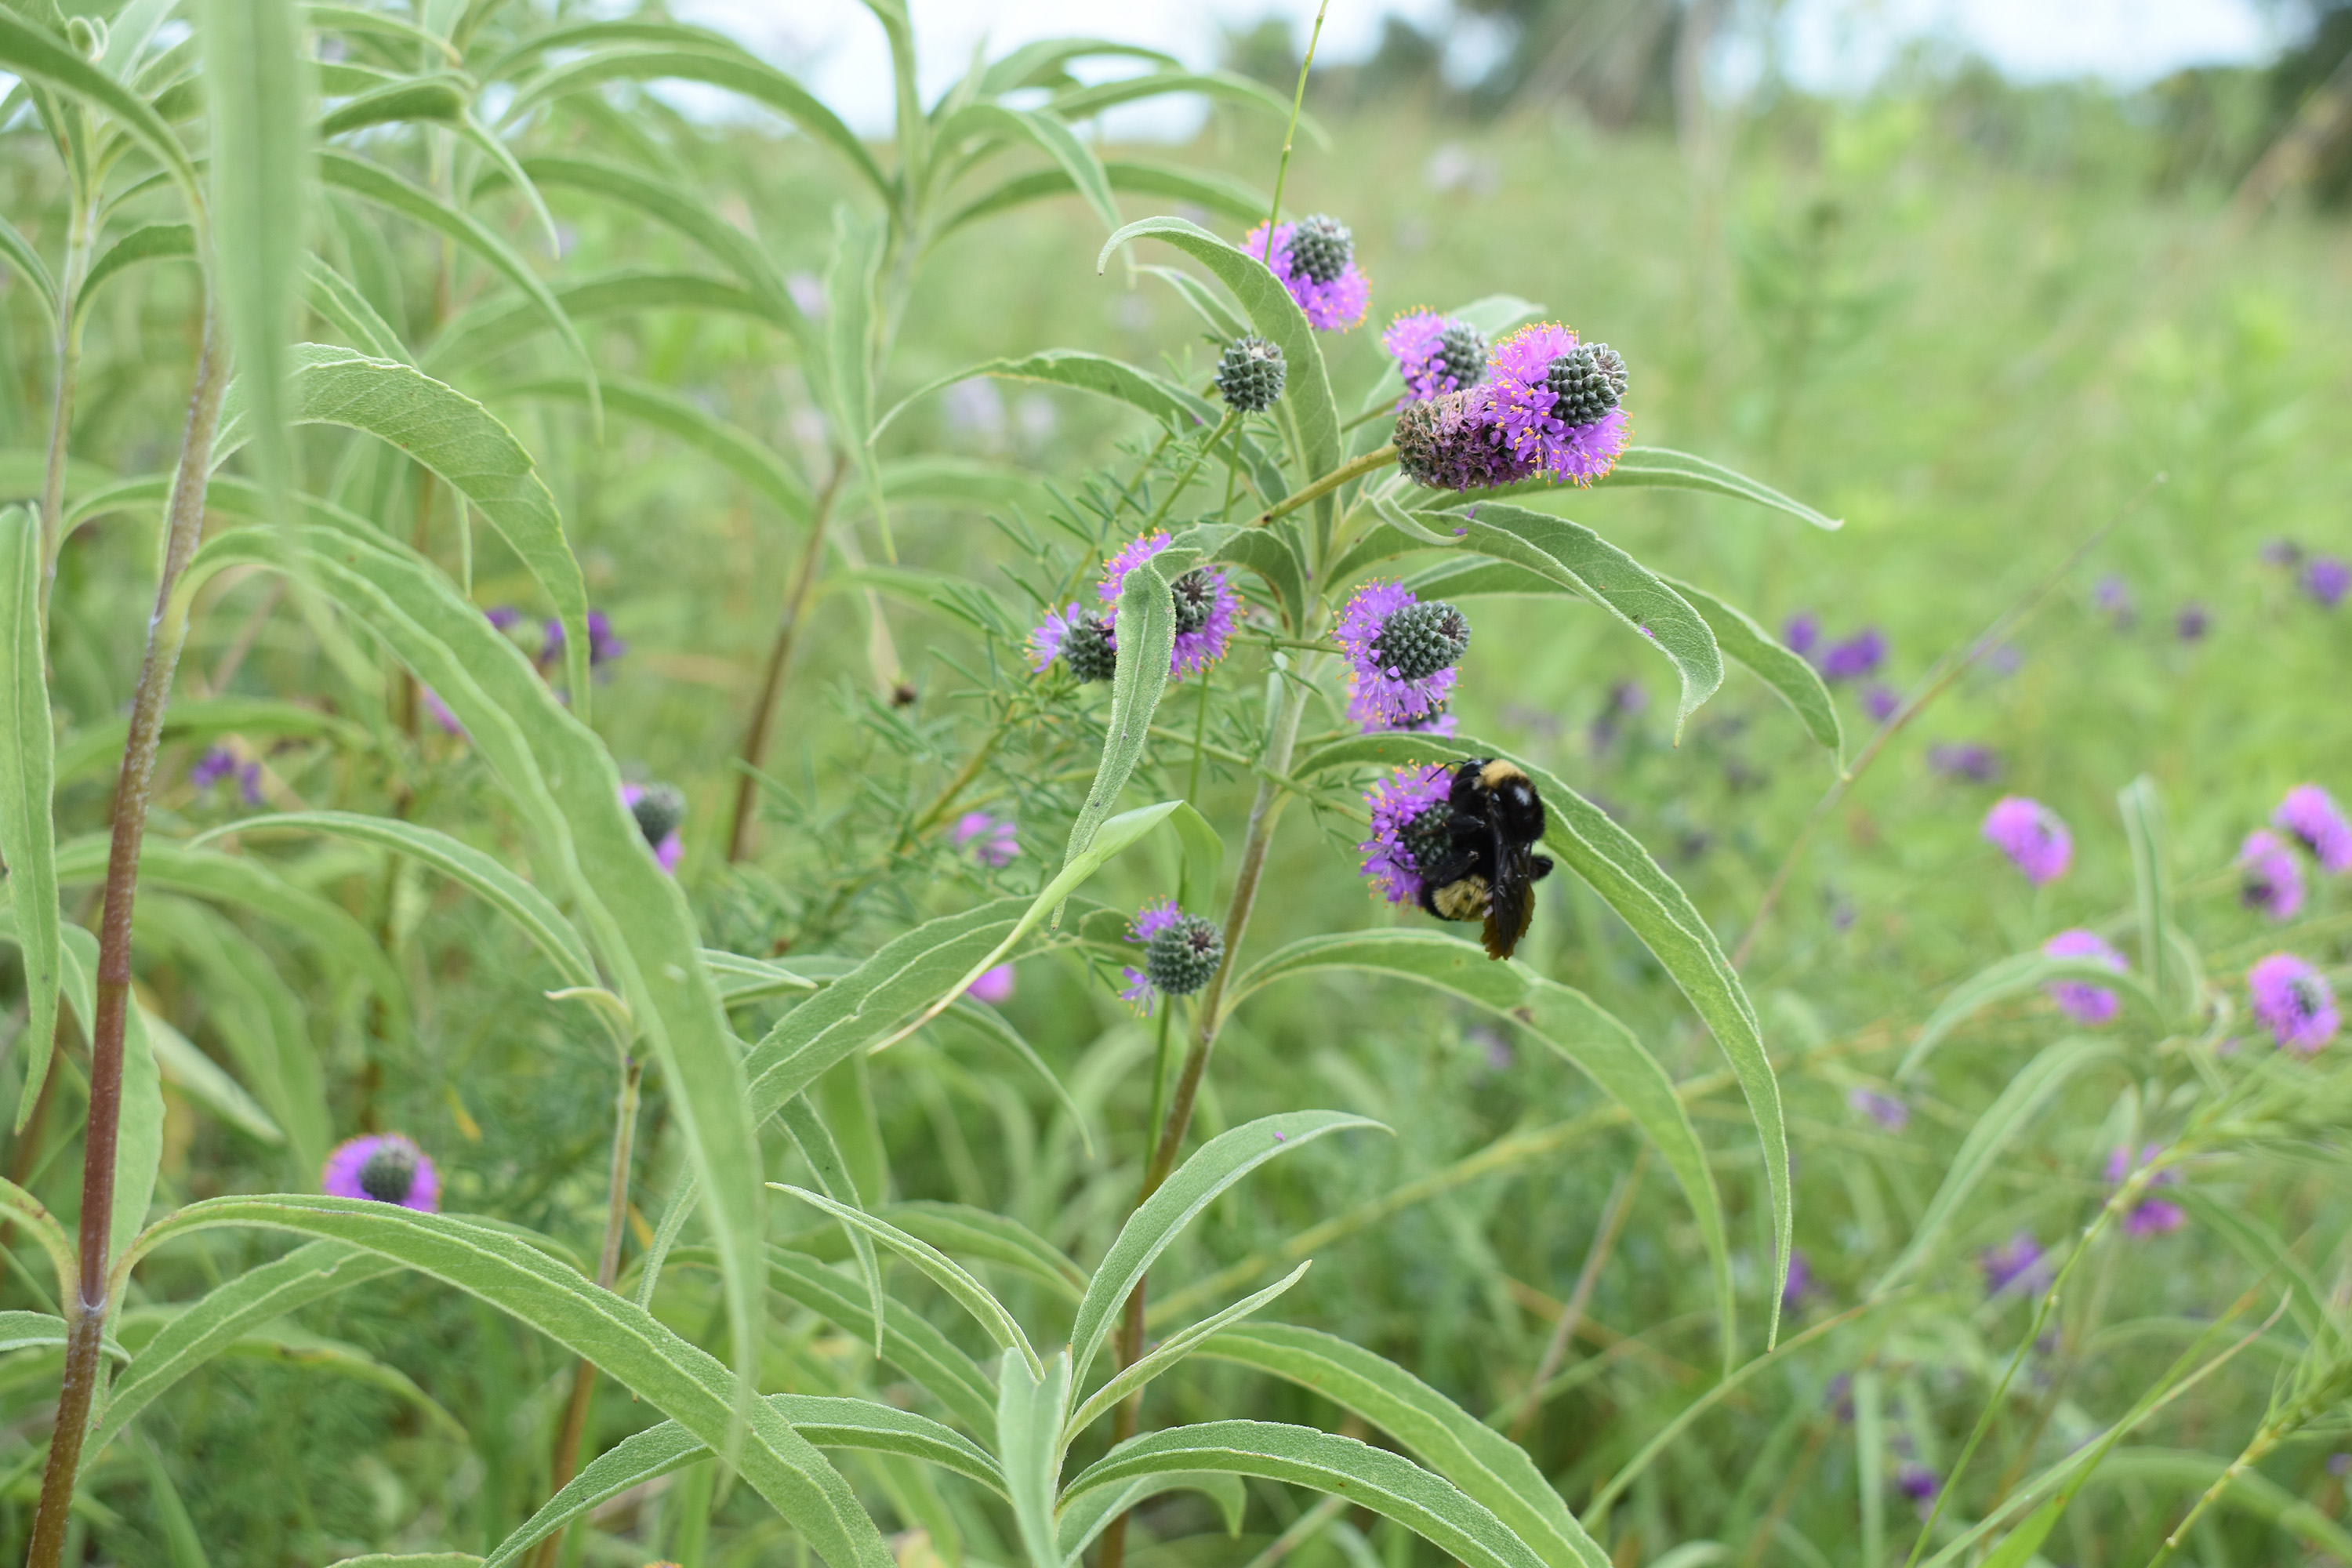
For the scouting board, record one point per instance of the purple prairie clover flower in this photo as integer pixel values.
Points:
(1434, 353)
(2089, 1003)
(2294, 1002)
(991, 839)
(2018, 1262)
(1802, 634)
(1315, 258)
(219, 762)
(2310, 816)
(2152, 1216)
(2030, 834)
(1801, 1280)
(1855, 657)
(2339, 1465)
(1888, 1111)
(660, 813)
(1920, 1484)
(1205, 607)
(1880, 702)
(1410, 810)
(1534, 380)
(386, 1167)
(603, 646)
(1079, 638)
(1401, 653)
(1968, 761)
(1456, 441)
(1180, 953)
(2327, 580)
(2193, 622)
(994, 987)
(1435, 721)
(2273, 876)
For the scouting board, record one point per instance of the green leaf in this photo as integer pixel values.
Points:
(1386, 1483)
(1167, 1354)
(505, 891)
(409, 1560)
(99, 749)
(1575, 558)
(461, 441)
(815, 1140)
(1566, 1020)
(28, 843)
(40, 56)
(1029, 1405)
(968, 1292)
(2143, 814)
(1792, 677)
(396, 193)
(998, 1238)
(202, 1079)
(1308, 389)
(1214, 1167)
(1082, 103)
(679, 1378)
(1044, 62)
(502, 322)
(1147, 609)
(1219, 193)
(352, 19)
(564, 784)
(1655, 467)
(1614, 865)
(339, 302)
(2034, 1087)
(828, 1421)
(1085, 1517)
(594, 35)
(2249, 1490)
(731, 69)
(39, 1330)
(2015, 975)
(731, 447)
(18, 252)
(259, 165)
(217, 1319)
(916, 1348)
(155, 242)
(1050, 134)
(1171, 405)
(1488, 1466)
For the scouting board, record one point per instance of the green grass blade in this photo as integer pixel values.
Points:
(29, 841)
(1214, 1167)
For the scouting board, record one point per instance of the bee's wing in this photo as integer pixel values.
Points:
(1511, 903)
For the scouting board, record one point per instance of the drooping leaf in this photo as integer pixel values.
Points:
(735, 448)
(1171, 405)
(1050, 134)
(1792, 677)
(997, 1238)
(1207, 188)
(927, 1357)
(153, 242)
(202, 1079)
(1658, 467)
(1088, 1515)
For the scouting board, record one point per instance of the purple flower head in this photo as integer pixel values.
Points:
(1456, 441)
(1520, 391)
(2192, 623)
(2310, 816)
(1880, 702)
(1434, 354)
(1801, 1281)
(995, 986)
(991, 839)
(603, 646)
(220, 763)
(1856, 656)
(2018, 1262)
(1333, 297)
(1920, 1484)
(2273, 876)
(1410, 810)
(1435, 721)
(1180, 953)
(1046, 638)
(1887, 1110)
(2115, 600)
(442, 718)
(1802, 633)
(1205, 607)
(1401, 653)
(2090, 1004)
(660, 813)
(1976, 764)
(386, 1167)
(2327, 580)
(2032, 836)
(2294, 1002)
(2151, 1216)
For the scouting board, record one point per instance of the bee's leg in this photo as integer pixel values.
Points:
(1538, 868)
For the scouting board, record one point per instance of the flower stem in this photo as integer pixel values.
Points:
(1281, 172)
(1161, 513)
(608, 1268)
(780, 659)
(1354, 468)
(167, 633)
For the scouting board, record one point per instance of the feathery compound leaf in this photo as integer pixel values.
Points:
(1488, 1466)
(828, 1421)
(679, 1378)
(1214, 1166)
(27, 779)
(1029, 1405)
(1614, 865)
(1562, 1018)
(1388, 1484)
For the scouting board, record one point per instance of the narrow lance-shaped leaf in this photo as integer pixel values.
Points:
(1050, 134)
(1168, 1352)
(27, 777)
(40, 56)
(1792, 678)
(2012, 976)
(1145, 623)
(815, 1140)
(1029, 1405)
(1172, 406)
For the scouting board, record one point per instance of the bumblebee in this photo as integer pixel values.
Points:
(1481, 865)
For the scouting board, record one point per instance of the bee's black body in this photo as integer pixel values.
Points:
(1487, 868)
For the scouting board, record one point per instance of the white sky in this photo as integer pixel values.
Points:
(837, 46)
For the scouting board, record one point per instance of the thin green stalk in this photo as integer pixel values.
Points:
(779, 659)
(1272, 217)
(1354, 468)
(1190, 469)
(1604, 1240)
(1200, 745)
(167, 634)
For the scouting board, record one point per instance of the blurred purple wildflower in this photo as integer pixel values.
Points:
(994, 987)
(503, 617)
(1801, 1280)
(2273, 876)
(1802, 633)
(603, 646)
(1856, 656)
(2018, 1262)
(1204, 599)
(665, 810)
(220, 763)
(2152, 1216)
(386, 1167)
(2339, 1465)
(1977, 764)
(1887, 1110)
(1839, 1397)
(2281, 553)
(2115, 600)
(1394, 646)
(2294, 1002)
(439, 711)
(1880, 702)
(1627, 700)
(2327, 580)
(2089, 1003)
(991, 839)
(1332, 306)
(1418, 341)
(1518, 392)
(1920, 1484)
(2310, 816)
(2193, 622)
(2030, 834)
(1410, 808)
